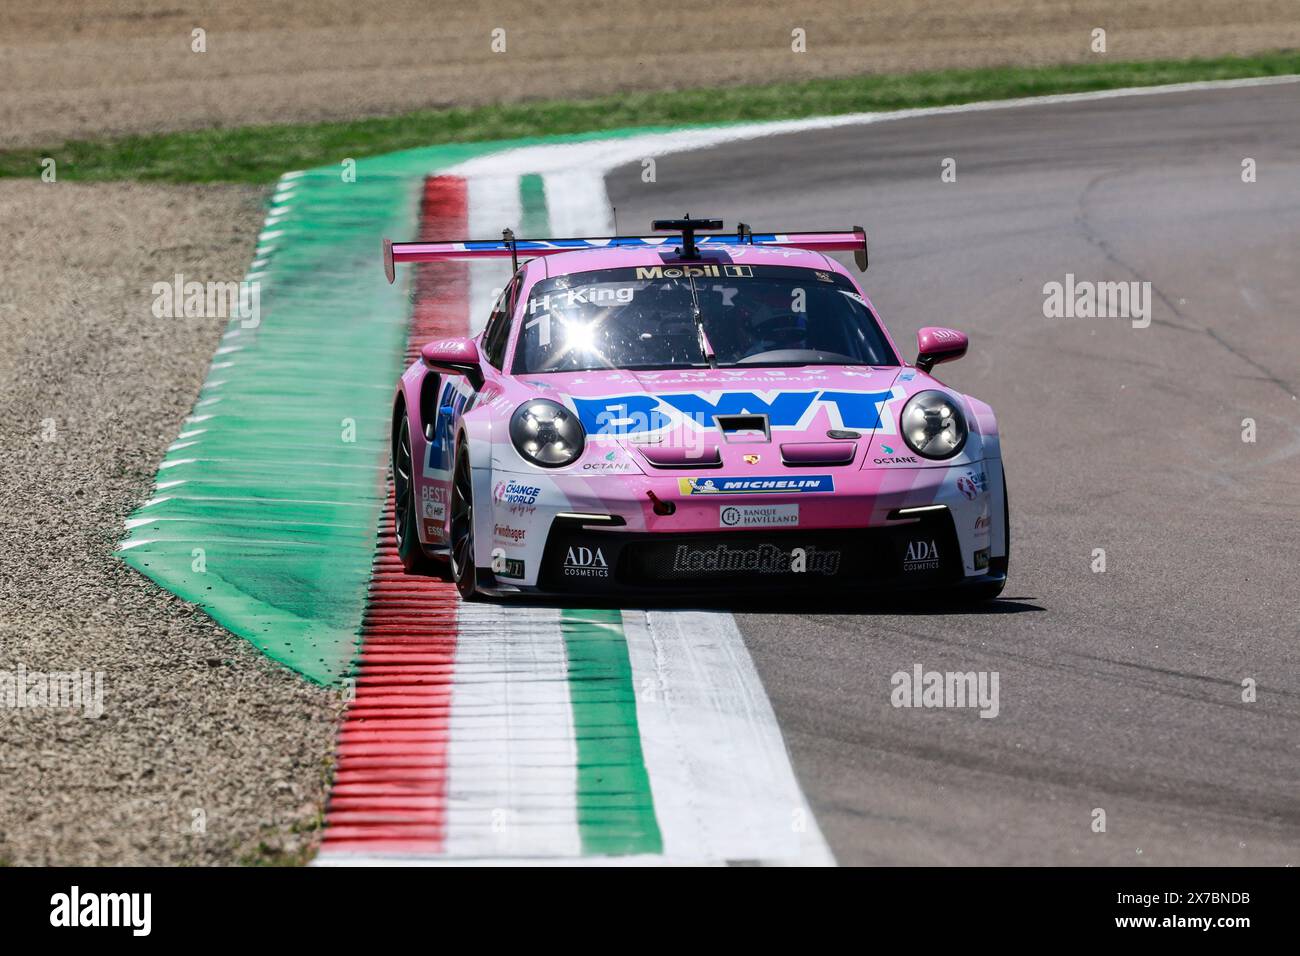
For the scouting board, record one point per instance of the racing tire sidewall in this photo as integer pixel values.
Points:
(405, 515)
(462, 493)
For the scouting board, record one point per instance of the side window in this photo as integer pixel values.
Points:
(497, 332)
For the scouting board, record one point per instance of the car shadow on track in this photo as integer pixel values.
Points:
(784, 603)
(798, 604)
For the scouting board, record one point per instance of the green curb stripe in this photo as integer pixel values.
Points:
(262, 478)
(534, 220)
(616, 813)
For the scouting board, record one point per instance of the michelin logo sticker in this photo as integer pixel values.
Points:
(771, 485)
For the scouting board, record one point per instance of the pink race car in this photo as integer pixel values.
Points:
(715, 412)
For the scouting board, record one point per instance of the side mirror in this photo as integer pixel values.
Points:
(457, 356)
(935, 345)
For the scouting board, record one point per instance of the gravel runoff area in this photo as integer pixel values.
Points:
(86, 68)
(206, 752)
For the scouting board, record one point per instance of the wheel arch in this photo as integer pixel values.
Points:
(416, 391)
(985, 421)
(474, 433)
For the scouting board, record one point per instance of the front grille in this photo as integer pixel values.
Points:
(920, 553)
(746, 558)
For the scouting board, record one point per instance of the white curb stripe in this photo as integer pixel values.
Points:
(493, 205)
(512, 755)
(576, 203)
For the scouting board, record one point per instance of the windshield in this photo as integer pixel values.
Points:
(697, 316)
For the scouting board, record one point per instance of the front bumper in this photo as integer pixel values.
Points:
(602, 536)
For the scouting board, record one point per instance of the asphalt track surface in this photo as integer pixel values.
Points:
(1120, 690)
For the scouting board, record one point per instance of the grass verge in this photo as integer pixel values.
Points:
(259, 154)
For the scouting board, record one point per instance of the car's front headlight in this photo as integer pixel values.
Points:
(547, 433)
(933, 425)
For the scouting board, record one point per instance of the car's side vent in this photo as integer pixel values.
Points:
(818, 454)
(744, 428)
(429, 389)
(676, 457)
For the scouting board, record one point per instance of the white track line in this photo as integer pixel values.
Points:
(723, 786)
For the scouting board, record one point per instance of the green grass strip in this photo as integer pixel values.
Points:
(616, 813)
(258, 154)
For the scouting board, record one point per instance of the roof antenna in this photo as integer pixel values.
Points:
(615, 209)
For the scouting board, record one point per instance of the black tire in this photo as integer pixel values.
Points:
(463, 570)
(1005, 562)
(406, 515)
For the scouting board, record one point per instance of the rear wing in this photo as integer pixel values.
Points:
(854, 240)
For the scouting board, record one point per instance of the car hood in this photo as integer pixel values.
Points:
(688, 419)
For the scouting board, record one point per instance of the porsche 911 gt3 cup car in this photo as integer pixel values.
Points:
(719, 412)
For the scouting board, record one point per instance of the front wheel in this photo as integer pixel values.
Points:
(462, 528)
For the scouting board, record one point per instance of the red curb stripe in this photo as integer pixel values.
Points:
(390, 783)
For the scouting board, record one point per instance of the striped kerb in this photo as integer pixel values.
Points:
(529, 746)
(390, 786)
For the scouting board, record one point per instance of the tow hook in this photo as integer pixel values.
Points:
(661, 507)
